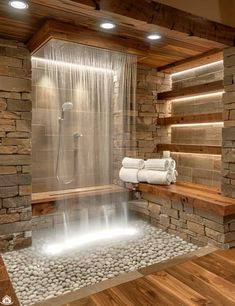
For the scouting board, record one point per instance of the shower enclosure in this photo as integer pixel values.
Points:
(89, 92)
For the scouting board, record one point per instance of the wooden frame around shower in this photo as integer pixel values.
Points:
(66, 32)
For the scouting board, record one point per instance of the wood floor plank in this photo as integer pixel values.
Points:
(87, 301)
(6, 287)
(180, 293)
(144, 293)
(227, 254)
(109, 298)
(216, 264)
(216, 289)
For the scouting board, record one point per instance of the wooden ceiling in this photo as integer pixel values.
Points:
(184, 36)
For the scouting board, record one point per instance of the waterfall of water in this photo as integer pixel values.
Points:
(100, 85)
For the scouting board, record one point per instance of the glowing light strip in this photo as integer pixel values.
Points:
(206, 155)
(196, 68)
(82, 240)
(198, 124)
(70, 65)
(218, 93)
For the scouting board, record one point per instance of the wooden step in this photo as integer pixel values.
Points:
(185, 119)
(186, 148)
(199, 196)
(191, 90)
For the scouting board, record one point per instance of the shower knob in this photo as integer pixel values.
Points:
(77, 135)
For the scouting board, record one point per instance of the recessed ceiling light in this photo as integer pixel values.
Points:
(154, 36)
(107, 25)
(19, 4)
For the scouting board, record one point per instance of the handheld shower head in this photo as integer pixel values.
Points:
(67, 106)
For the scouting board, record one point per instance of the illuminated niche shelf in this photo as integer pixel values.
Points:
(185, 148)
(187, 119)
(201, 89)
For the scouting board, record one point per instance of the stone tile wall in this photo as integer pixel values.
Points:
(15, 145)
(141, 139)
(228, 151)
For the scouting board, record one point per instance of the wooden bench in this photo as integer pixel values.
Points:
(44, 202)
(199, 196)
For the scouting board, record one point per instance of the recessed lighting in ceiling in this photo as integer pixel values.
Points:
(19, 4)
(107, 25)
(154, 36)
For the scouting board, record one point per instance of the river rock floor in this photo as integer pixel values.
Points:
(37, 276)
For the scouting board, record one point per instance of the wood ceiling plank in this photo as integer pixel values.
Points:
(174, 46)
(165, 16)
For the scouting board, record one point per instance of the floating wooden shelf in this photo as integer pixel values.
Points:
(197, 118)
(202, 149)
(191, 90)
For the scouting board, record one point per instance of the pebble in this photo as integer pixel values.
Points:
(37, 277)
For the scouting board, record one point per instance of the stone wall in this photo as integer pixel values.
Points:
(144, 134)
(228, 146)
(15, 145)
(182, 219)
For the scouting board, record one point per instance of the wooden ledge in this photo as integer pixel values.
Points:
(199, 196)
(191, 90)
(187, 148)
(185, 119)
(43, 203)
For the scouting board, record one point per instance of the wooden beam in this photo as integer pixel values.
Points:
(67, 32)
(152, 12)
(200, 149)
(197, 118)
(193, 61)
(191, 90)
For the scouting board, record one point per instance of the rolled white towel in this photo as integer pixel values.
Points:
(158, 177)
(172, 163)
(173, 174)
(142, 175)
(133, 163)
(129, 175)
(162, 164)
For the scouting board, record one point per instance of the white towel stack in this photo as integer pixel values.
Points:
(153, 171)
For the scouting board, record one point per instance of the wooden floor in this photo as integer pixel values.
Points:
(208, 280)
(6, 286)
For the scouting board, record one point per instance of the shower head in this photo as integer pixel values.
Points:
(67, 106)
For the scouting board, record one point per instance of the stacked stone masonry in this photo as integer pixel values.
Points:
(15, 146)
(143, 135)
(182, 219)
(228, 150)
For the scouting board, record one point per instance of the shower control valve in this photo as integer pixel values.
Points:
(77, 135)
